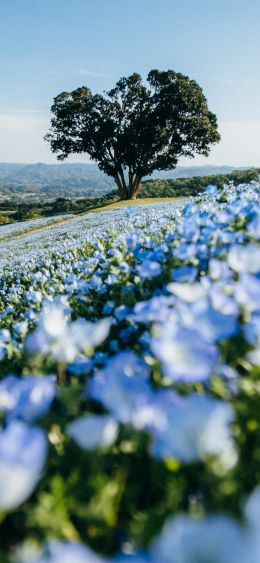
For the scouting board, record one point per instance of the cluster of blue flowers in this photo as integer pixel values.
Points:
(134, 335)
(14, 229)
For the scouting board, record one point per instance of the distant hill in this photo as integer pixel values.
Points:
(75, 180)
(190, 172)
(54, 180)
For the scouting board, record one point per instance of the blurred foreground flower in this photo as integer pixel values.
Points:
(28, 398)
(65, 340)
(93, 431)
(22, 455)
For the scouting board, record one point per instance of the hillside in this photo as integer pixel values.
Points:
(195, 185)
(76, 180)
(129, 383)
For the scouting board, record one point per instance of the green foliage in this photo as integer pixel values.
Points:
(196, 185)
(5, 219)
(134, 129)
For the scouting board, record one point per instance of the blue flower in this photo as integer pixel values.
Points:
(93, 431)
(23, 452)
(184, 354)
(184, 274)
(247, 291)
(120, 385)
(149, 269)
(183, 539)
(68, 552)
(187, 428)
(245, 259)
(28, 398)
(211, 189)
(139, 557)
(214, 326)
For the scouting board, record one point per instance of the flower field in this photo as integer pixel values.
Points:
(8, 231)
(129, 391)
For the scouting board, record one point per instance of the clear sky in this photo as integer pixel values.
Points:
(48, 46)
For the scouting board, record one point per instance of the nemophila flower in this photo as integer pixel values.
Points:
(230, 377)
(121, 313)
(149, 269)
(65, 340)
(252, 509)
(22, 455)
(189, 229)
(188, 292)
(20, 328)
(132, 242)
(34, 297)
(39, 277)
(247, 291)
(93, 431)
(5, 335)
(245, 259)
(5, 339)
(52, 321)
(87, 335)
(184, 354)
(67, 552)
(126, 333)
(254, 356)
(216, 539)
(211, 189)
(252, 329)
(124, 267)
(184, 274)
(95, 282)
(254, 225)
(140, 557)
(30, 315)
(214, 326)
(128, 211)
(219, 270)
(81, 366)
(155, 309)
(251, 552)
(189, 209)
(187, 428)
(185, 251)
(28, 398)
(222, 299)
(111, 279)
(120, 385)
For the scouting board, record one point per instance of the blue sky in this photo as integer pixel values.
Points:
(54, 45)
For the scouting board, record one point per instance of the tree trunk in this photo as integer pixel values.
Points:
(129, 191)
(134, 188)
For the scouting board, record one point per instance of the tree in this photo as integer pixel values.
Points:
(135, 128)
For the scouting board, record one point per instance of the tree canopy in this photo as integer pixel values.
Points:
(136, 127)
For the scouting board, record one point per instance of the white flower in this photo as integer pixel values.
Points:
(245, 258)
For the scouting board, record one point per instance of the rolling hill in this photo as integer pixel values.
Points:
(75, 180)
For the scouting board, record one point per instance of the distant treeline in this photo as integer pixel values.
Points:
(196, 185)
(22, 211)
(14, 209)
